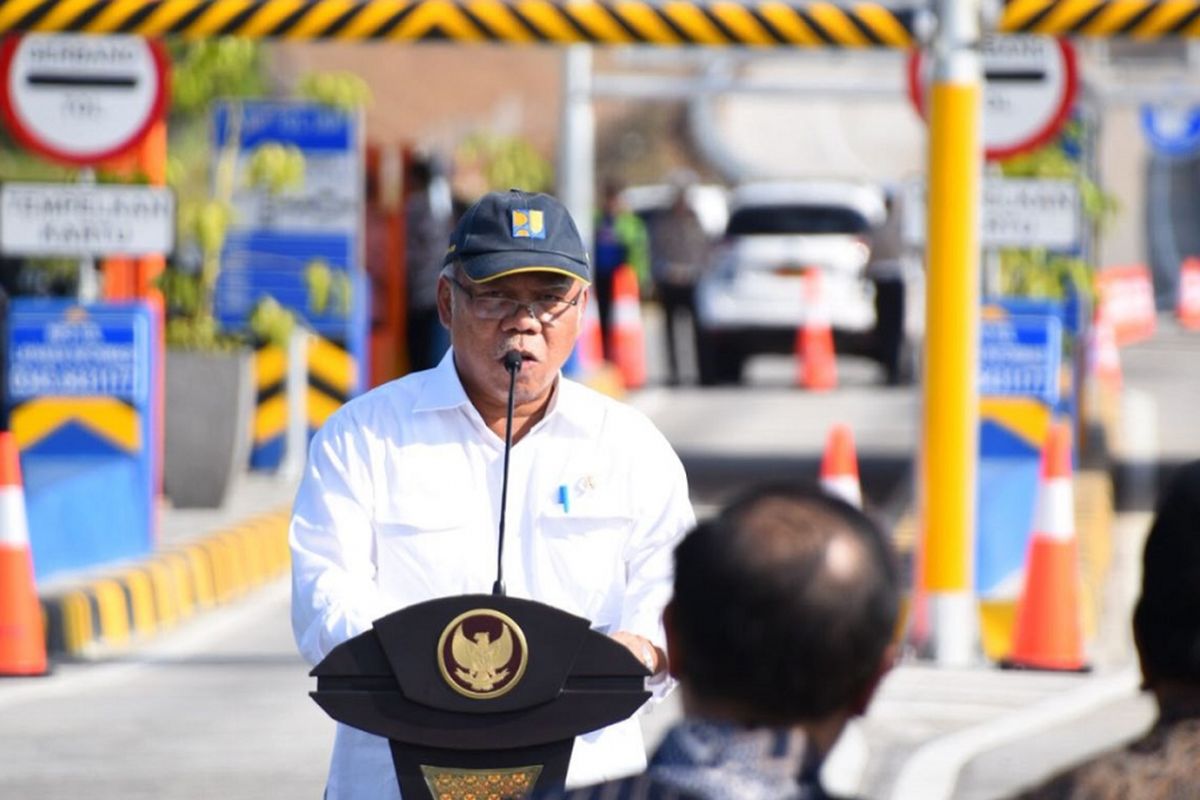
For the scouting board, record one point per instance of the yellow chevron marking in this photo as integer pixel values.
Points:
(269, 15)
(1164, 15)
(1193, 29)
(1066, 14)
(111, 419)
(837, 24)
(370, 18)
(500, 19)
(165, 607)
(270, 366)
(270, 419)
(320, 407)
(885, 25)
(741, 23)
(209, 22)
(1018, 12)
(165, 15)
(77, 621)
(114, 13)
(201, 570)
(319, 17)
(1114, 16)
(63, 13)
(114, 614)
(1027, 418)
(141, 601)
(645, 20)
(438, 14)
(331, 364)
(790, 24)
(548, 19)
(692, 20)
(595, 19)
(15, 10)
(180, 582)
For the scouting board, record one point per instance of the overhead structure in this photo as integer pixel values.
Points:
(766, 23)
(1136, 19)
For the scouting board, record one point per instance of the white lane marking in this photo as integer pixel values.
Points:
(197, 636)
(931, 773)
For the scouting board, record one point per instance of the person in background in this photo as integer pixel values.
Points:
(620, 238)
(679, 250)
(400, 497)
(779, 631)
(427, 225)
(1165, 763)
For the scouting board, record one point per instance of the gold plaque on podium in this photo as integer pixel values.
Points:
(448, 783)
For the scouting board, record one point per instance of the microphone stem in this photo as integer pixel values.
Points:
(498, 586)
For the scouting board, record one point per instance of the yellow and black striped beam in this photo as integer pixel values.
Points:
(762, 23)
(1135, 19)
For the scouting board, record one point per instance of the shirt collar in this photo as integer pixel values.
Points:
(443, 390)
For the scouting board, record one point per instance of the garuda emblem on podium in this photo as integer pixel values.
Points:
(482, 654)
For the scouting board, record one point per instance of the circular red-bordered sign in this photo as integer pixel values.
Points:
(79, 99)
(1030, 85)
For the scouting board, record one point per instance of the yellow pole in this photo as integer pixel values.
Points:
(951, 402)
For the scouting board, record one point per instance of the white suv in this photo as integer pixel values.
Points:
(752, 298)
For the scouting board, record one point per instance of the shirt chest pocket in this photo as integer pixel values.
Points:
(427, 547)
(583, 552)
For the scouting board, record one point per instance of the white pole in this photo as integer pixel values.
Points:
(577, 139)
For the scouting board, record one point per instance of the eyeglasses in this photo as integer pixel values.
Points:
(546, 310)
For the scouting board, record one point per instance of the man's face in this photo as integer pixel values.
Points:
(480, 343)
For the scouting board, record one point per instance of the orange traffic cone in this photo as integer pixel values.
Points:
(22, 639)
(1188, 309)
(1049, 626)
(816, 364)
(839, 466)
(628, 345)
(591, 340)
(1105, 356)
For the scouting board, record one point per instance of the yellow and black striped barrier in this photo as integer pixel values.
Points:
(332, 377)
(765, 23)
(172, 585)
(1136, 19)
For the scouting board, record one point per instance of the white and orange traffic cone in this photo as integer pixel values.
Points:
(628, 336)
(1049, 627)
(816, 363)
(591, 338)
(1188, 307)
(22, 638)
(839, 466)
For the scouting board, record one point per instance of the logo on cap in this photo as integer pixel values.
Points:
(528, 223)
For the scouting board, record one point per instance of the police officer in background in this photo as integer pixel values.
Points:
(399, 500)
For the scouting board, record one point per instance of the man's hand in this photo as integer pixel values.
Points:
(645, 651)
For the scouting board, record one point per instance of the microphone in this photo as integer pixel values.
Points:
(512, 363)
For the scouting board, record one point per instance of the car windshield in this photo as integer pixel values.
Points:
(775, 220)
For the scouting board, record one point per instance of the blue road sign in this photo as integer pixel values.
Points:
(1020, 357)
(1172, 130)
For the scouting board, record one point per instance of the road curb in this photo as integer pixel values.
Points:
(114, 610)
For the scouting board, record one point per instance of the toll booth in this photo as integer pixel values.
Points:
(87, 423)
(302, 246)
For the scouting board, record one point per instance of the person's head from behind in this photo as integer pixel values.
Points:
(784, 610)
(514, 278)
(1166, 620)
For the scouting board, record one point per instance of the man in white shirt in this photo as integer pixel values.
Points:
(400, 498)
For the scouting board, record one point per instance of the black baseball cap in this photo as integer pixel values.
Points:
(505, 233)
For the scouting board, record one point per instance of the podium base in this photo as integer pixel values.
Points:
(427, 773)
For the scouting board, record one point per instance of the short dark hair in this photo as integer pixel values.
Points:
(1166, 619)
(785, 604)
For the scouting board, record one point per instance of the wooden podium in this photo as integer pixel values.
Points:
(480, 695)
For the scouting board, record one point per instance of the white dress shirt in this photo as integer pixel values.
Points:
(400, 503)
